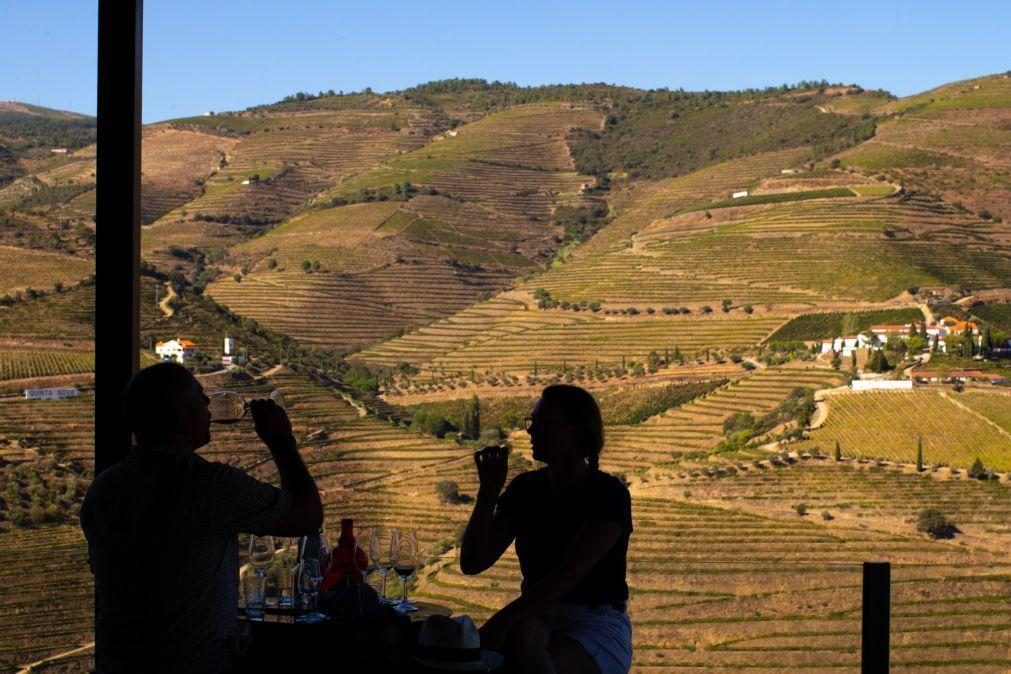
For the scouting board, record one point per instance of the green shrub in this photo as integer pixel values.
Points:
(933, 523)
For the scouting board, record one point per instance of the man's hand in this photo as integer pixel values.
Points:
(272, 423)
(492, 469)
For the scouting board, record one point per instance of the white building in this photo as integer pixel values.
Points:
(179, 350)
(738, 195)
(882, 385)
(846, 345)
(228, 355)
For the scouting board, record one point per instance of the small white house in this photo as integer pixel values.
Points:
(738, 195)
(60, 150)
(452, 133)
(179, 350)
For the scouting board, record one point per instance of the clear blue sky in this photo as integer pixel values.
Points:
(226, 55)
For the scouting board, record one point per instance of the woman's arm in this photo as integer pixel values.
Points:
(488, 533)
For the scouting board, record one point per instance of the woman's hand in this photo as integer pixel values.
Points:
(492, 469)
(495, 631)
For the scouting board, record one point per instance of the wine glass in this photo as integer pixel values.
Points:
(365, 563)
(229, 407)
(261, 553)
(363, 559)
(383, 551)
(308, 585)
(404, 565)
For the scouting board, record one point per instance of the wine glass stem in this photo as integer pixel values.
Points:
(403, 597)
(382, 592)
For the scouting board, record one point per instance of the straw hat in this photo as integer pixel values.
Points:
(453, 644)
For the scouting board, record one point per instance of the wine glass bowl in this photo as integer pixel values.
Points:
(229, 407)
(261, 553)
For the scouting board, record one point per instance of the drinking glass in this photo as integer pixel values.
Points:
(308, 585)
(254, 588)
(364, 563)
(261, 553)
(284, 563)
(383, 551)
(404, 565)
(228, 407)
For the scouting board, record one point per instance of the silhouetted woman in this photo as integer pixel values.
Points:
(571, 523)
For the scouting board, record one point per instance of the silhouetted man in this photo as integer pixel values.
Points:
(162, 524)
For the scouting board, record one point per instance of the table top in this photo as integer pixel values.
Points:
(275, 614)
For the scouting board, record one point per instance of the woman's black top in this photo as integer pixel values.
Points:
(545, 528)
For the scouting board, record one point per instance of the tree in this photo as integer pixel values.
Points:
(707, 309)
(978, 471)
(748, 309)
(838, 451)
(919, 455)
(836, 359)
(448, 491)
(726, 305)
(933, 523)
(271, 263)
(470, 423)
(306, 266)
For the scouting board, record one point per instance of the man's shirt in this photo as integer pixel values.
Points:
(161, 529)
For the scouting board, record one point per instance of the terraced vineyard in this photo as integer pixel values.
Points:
(293, 158)
(827, 325)
(389, 265)
(951, 141)
(22, 269)
(23, 364)
(886, 424)
(741, 590)
(697, 427)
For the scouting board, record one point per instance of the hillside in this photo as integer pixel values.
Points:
(429, 232)
(390, 261)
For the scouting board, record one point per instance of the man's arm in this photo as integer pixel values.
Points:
(305, 516)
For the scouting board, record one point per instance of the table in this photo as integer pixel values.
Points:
(279, 644)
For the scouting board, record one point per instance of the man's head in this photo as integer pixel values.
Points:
(165, 404)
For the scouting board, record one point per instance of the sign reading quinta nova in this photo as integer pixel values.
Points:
(50, 393)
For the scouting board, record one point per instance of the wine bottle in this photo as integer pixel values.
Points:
(347, 559)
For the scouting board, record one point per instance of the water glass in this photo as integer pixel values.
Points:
(383, 550)
(254, 589)
(308, 585)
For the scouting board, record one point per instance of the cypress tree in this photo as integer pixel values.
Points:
(838, 451)
(919, 455)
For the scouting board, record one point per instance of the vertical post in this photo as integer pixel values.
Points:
(874, 646)
(117, 217)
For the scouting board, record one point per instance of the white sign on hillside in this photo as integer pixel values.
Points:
(50, 393)
(882, 385)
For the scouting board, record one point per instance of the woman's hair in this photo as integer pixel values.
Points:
(580, 408)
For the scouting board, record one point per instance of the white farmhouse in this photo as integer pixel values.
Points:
(738, 195)
(179, 350)
(847, 344)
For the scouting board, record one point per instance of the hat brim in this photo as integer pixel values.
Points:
(489, 660)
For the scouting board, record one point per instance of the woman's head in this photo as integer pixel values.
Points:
(566, 423)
